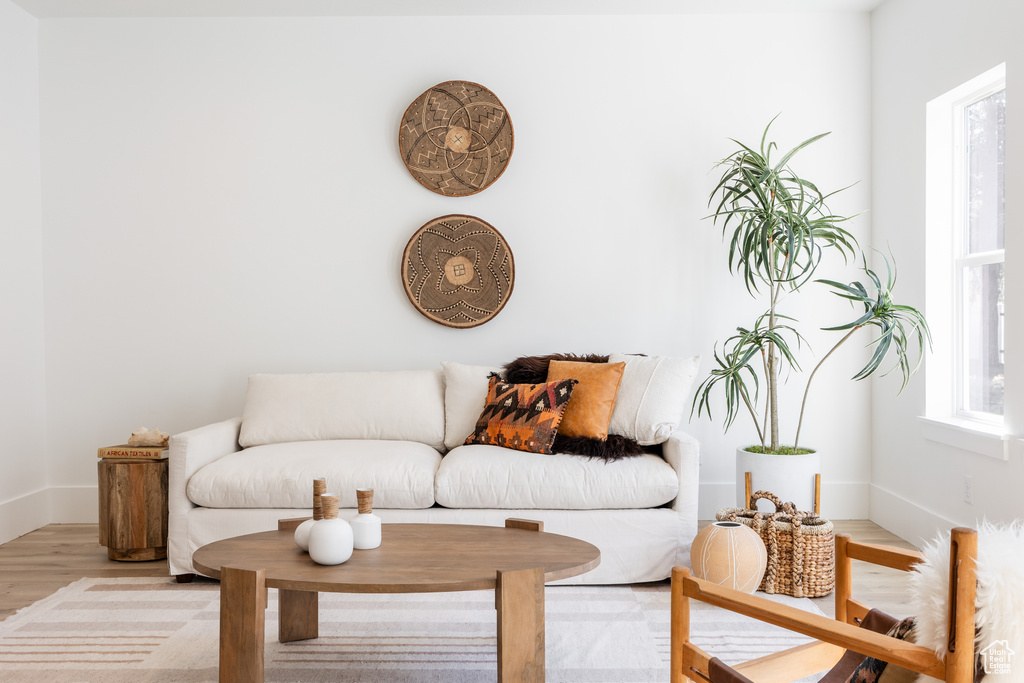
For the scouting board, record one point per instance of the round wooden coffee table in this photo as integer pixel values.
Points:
(514, 561)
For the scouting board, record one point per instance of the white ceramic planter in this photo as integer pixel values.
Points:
(790, 477)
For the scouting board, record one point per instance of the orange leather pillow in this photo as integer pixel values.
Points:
(593, 400)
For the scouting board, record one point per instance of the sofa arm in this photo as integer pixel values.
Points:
(190, 451)
(682, 452)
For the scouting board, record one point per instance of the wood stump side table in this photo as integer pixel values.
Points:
(133, 509)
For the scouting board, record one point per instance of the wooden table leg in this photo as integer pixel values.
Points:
(519, 598)
(243, 610)
(298, 615)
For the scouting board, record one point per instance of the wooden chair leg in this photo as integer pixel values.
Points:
(844, 578)
(679, 631)
(963, 579)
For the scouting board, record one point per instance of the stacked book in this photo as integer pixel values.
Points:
(132, 452)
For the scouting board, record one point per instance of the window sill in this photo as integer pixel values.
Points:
(976, 437)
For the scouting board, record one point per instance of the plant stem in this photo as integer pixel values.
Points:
(764, 429)
(747, 401)
(773, 374)
(807, 389)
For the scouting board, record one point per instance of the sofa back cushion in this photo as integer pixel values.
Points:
(465, 393)
(653, 396)
(392, 406)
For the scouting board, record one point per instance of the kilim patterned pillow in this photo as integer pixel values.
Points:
(524, 417)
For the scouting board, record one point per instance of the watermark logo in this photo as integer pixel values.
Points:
(997, 658)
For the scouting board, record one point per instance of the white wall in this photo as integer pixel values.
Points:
(24, 498)
(225, 197)
(920, 50)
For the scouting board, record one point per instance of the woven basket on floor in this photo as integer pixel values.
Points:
(801, 547)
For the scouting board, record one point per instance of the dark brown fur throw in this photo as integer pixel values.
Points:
(534, 370)
(614, 448)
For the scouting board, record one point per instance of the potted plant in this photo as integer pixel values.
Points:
(779, 227)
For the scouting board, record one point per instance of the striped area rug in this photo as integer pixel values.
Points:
(146, 630)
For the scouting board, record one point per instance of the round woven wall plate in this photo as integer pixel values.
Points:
(456, 138)
(458, 271)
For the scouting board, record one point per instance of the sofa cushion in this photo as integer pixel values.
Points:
(524, 417)
(593, 399)
(401, 474)
(478, 476)
(465, 392)
(652, 396)
(397, 406)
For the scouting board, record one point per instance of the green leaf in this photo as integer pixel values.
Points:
(790, 153)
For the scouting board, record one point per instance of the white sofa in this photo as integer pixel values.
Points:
(388, 431)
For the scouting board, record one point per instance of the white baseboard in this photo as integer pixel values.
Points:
(24, 514)
(907, 520)
(839, 500)
(74, 505)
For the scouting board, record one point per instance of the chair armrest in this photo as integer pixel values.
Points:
(892, 650)
(847, 609)
(883, 555)
(190, 451)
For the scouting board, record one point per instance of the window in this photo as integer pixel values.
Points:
(964, 250)
(979, 255)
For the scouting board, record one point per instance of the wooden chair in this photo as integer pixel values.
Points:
(835, 637)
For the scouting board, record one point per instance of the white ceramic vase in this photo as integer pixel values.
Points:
(302, 534)
(790, 477)
(366, 527)
(330, 539)
(729, 554)
(302, 531)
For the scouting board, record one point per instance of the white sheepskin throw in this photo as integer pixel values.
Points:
(1000, 599)
(144, 436)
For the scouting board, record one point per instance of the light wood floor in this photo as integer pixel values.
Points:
(38, 564)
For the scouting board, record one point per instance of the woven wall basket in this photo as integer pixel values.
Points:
(456, 138)
(801, 547)
(458, 271)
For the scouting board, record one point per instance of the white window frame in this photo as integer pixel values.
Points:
(962, 260)
(945, 220)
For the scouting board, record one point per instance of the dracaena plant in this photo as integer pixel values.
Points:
(779, 227)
